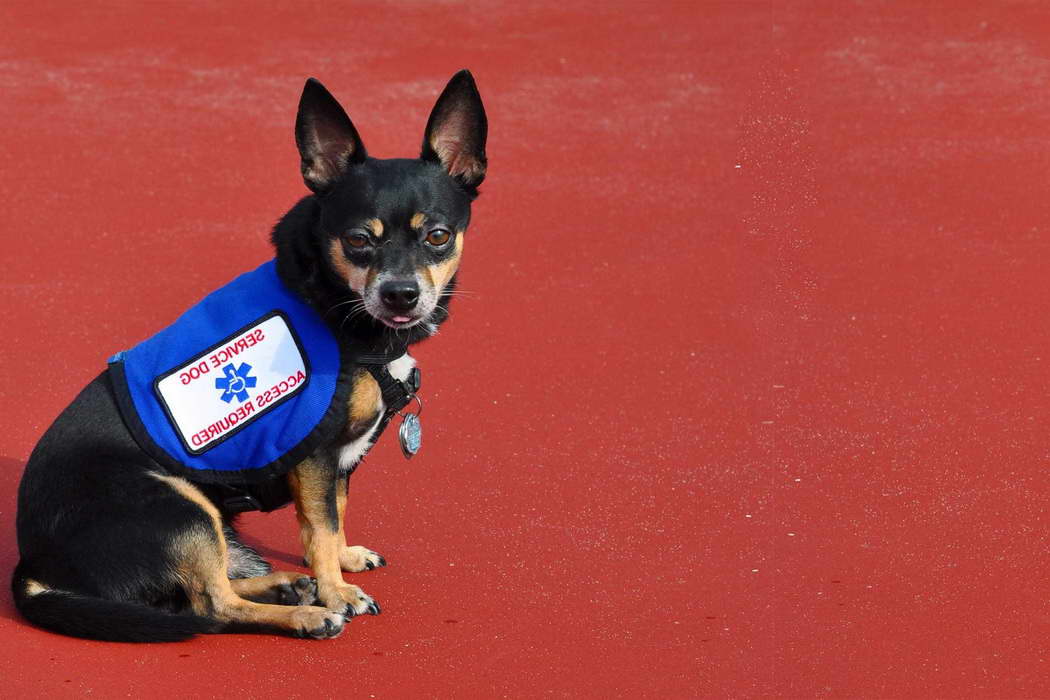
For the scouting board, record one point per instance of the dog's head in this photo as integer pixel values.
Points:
(391, 231)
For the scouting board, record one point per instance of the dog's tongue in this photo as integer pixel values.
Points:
(401, 319)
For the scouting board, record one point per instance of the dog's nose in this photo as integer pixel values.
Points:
(399, 296)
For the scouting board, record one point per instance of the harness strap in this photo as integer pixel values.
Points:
(396, 395)
(265, 496)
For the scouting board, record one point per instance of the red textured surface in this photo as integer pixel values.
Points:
(751, 396)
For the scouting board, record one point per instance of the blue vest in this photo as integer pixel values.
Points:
(241, 388)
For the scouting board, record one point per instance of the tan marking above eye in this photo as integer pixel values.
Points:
(418, 220)
(376, 227)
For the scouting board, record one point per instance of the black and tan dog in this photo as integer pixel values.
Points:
(116, 546)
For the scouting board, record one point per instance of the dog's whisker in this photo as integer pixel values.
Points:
(342, 303)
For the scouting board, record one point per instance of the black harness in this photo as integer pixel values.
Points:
(275, 493)
(396, 393)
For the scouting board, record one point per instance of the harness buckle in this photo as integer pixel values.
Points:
(240, 503)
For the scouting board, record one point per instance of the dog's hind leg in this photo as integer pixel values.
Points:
(280, 587)
(251, 577)
(200, 558)
(244, 562)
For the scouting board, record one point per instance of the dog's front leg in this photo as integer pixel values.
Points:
(316, 487)
(353, 558)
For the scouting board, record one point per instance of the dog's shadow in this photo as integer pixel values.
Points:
(270, 554)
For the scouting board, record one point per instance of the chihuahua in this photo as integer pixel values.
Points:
(268, 391)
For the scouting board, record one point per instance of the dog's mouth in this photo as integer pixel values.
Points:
(400, 320)
(399, 313)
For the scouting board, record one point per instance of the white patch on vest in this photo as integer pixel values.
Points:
(222, 390)
(352, 453)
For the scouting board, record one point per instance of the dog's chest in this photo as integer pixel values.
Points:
(367, 401)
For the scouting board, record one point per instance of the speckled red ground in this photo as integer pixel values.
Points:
(751, 396)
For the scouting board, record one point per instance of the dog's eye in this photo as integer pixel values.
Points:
(357, 240)
(438, 237)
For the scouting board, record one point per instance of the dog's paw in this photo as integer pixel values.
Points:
(317, 623)
(357, 558)
(350, 600)
(302, 591)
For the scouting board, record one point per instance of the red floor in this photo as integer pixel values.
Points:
(751, 396)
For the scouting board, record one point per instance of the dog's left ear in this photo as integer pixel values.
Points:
(327, 140)
(456, 131)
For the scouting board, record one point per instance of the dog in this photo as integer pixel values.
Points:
(127, 506)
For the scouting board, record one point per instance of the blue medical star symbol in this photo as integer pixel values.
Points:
(235, 383)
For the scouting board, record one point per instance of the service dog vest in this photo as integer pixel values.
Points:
(241, 388)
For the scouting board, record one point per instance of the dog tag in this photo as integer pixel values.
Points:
(410, 435)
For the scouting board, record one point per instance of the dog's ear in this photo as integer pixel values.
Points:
(327, 139)
(456, 131)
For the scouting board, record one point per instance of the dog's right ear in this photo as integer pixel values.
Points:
(327, 140)
(456, 132)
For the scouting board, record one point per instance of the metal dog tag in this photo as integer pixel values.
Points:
(410, 435)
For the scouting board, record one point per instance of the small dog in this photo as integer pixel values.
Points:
(269, 391)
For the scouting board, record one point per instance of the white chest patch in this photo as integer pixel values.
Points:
(400, 367)
(352, 453)
(227, 387)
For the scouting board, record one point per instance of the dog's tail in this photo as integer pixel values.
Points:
(97, 618)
